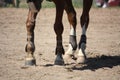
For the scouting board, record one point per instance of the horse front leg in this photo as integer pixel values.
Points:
(73, 21)
(34, 7)
(58, 28)
(84, 25)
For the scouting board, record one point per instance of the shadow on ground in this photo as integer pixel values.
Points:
(93, 63)
(99, 62)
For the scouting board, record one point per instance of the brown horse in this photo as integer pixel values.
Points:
(61, 5)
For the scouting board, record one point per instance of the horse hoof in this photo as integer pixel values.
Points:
(59, 60)
(30, 62)
(69, 59)
(81, 60)
(67, 56)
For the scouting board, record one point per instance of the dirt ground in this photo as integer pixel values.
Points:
(103, 46)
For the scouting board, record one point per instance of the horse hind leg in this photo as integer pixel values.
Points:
(34, 7)
(72, 40)
(84, 25)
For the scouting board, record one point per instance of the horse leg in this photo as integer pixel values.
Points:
(13, 3)
(72, 20)
(34, 7)
(16, 3)
(84, 25)
(58, 28)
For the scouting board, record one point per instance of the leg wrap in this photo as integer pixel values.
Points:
(83, 40)
(73, 42)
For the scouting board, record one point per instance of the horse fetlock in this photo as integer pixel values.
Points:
(30, 47)
(59, 50)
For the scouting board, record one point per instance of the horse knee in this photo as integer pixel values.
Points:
(30, 24)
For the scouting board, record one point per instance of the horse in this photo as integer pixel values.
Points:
(61, 5)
